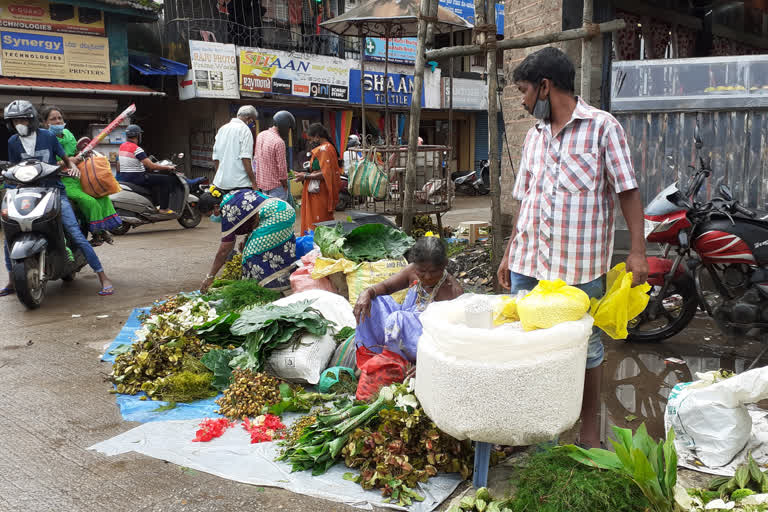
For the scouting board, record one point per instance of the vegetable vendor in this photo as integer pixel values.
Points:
(387, 333)
(267, 222)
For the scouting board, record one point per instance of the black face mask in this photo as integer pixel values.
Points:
(542, 109)
(313, 144)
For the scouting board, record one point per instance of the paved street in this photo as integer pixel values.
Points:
(54, 399)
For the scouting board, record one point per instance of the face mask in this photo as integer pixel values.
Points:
(251, 124)
(313, 144)
(57, 129)
(542, 109)
(22, 130)
(216, 219)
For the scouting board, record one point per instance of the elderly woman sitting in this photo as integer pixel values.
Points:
(387, 333)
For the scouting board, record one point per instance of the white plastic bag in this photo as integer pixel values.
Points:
(499, 385)
(710, 416)
(307, 360)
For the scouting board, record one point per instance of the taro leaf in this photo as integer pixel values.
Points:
(373, 242)
(218, 362)
(330, 241)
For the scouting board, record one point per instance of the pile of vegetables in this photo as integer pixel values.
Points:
(233, 269)
(238, 295)
(248, 394)
(369, 242)
(747, 490)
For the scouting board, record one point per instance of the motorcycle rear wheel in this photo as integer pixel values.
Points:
(191, 217)
(30, 289)
(121, 229)
(677, 309)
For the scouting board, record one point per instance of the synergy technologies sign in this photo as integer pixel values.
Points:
(51, 17)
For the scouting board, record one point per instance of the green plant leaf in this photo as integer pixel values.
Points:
(330, 241)
(218, 362)
(167, 407)
(623, 436)
(670, 461)
(594, 457)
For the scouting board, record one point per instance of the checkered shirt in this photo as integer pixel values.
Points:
(269, 164)
(567, 186)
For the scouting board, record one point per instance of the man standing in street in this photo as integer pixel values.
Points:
(232, 152)
(575, 163)
(270, 164)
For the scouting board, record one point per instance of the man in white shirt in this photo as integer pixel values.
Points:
(232, 151)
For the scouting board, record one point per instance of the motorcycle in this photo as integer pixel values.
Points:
(473, 183)
(198, 186)
(39, 246)
(719, 244)
(135, 206)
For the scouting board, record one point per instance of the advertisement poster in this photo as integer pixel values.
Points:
(44, 16)
(54, 56)
(213, 73)
(466, 10)
(402, 50)
(296, 74)
(400, 88)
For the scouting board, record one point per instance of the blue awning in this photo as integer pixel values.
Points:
(153, 65)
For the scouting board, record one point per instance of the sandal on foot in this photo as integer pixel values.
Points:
(107, 237)
(107, 290)
(7, 291)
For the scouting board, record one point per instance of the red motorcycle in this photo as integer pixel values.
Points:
(715, 257)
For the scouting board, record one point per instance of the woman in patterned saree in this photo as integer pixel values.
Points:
(267, 223)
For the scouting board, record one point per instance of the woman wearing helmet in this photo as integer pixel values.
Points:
(29, 141)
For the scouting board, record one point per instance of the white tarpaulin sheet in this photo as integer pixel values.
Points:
(232, 456)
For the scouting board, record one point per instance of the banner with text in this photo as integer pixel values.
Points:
(295, 74)
(51, 17)
(466, 9)
(402, 50)
(467, 94)
(54, 56)
(400, 88)
(213, 73)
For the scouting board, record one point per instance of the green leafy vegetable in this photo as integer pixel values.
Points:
(344, 334)
(218, 362)
(297, 400)
(167, 407)
(218, 331)
(237, 295)
(369, 242)
(330, 241)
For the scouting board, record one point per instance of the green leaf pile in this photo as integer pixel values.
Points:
(267, 327)
(218, 331)
(218, 362)
(369, 242)
(237, 295)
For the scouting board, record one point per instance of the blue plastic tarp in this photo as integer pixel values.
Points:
(132, 407)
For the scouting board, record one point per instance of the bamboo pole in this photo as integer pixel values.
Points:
(526, 42)
(415, 118)
(364, 142)
(494, 162)
(586, 55)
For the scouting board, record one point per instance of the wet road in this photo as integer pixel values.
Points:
(54, 399)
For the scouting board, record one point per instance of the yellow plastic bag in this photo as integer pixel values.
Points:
(505, 311)
(552, 303)
(360, 276)
(620, 304)
(324, 267)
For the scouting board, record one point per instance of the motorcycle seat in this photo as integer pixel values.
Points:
(139, 189)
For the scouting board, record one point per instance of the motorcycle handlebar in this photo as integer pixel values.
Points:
(740, 209)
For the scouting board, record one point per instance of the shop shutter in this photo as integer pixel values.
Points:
(481, 137)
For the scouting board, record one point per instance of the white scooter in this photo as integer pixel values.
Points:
(135, 206)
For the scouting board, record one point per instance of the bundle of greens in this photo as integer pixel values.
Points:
(344, 334)
(217, 361)
(295, 399)
(233, 269)
(320, 444)
(219, 331)
(266, 327)
(369, 242)
(747, 477)
(237, 295)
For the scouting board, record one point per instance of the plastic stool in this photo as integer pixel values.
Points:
(473, 227)
(482, 462)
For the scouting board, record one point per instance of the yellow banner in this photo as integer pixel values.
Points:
(54, 56)
(58, 17)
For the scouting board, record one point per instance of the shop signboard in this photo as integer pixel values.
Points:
(467, 94)
(400, 87)
(54, 56)
(51, 17)
(213, 73)
(294, 74)
(402, 50)
(466, 10)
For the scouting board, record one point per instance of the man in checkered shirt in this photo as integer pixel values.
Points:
(575, 163)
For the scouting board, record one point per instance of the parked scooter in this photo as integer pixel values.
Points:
(473, 183)
(37, 242)
(717, 243)
(198, 186)
(135, 206)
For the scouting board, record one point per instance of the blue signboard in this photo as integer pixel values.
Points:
(401, 49)
(400, 88)
(466, 9)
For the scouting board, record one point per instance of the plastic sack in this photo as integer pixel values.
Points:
(710, 416)
(305, 244)
(301, 280)
(368, 179)
(360, 276)
(304, 362)
(96, 176)
(331, 376)
(505, 310)
(551, 303)
(516, 388)
(345, 354)
(620, 304)
(378, 371)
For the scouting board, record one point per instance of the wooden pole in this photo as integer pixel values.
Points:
(386, 92)
(527, 42)
(415, 118)
(363, 142)
(494, 161)
(586, 55)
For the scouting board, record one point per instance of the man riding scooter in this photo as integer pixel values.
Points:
(31, 142)
(134, 163)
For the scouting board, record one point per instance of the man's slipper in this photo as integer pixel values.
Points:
(107, 290)
(7, 291)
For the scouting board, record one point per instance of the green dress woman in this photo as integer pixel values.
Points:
(98, 212)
